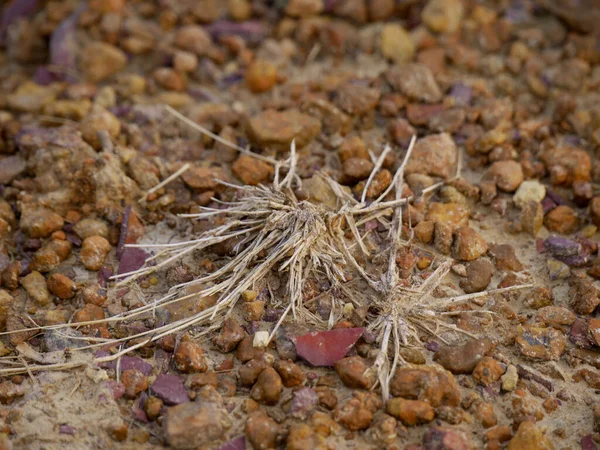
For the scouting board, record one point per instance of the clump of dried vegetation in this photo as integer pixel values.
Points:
(275, 232)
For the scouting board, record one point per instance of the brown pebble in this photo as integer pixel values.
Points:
(153, 407)
(468, 244)
(410, 412)
(135, 382)
(94, 251)
(488, 371)
(36, 287)
(61, 286)
(430, 384)
(229, 337)
(487, 415)
(268, 387)
(543, 344)
(583, 295)
(202, 179)
(462, 358)
(118, 432)
(291, 374)
(354, 373)
(508, 175)
(353, 414)
(353, 147)
(356, 169)
(189, 358)
(39, 222)
(94, 294)
(251, 170)
(479, 276)
(261, 76)
(529, 437)
(562, 219)
(253, 311)
(261, 430)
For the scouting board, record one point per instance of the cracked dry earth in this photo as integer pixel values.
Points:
(503, 97)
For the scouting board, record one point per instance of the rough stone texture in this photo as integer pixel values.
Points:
(462, 358)
(278, 128)
(416, 81)
(430, 384)
(192, 425)
(529, 437)
(435, 155)
(468, 244)
(543, 344)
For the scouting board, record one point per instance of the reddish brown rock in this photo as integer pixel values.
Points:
(355, 147)
(468, 244)
(462, 358)
(39, 222)
(410, 412)
(189, 358)
(529, 437)
(541, 343)
(357, 99)
(562, 219)
(583, 295)
(430, 384)
(508, 175)
(575, 162)
(268, 387)
(277, 129)
(356, 169)
(488, 371)
(61, 286)
(291, 374)
(204, 179)
(353, 414)
(479, 276)
(229, 337)
(261, 430)
(434, 155)
(196, 424)
(416, 81)
(555, 316)
(252, 171)
(135, 382)
(94, 251)
(261, 76)
(355, 373)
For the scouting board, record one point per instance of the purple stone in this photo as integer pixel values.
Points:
(132, 259)
(130, 362)
(117, 389)
(432, 346)
(588, 443)
(578, 334)
(555, 197)
(562, 247)
(304, 401)
(170, 389)
(235, 444)
(137, 410)
(66, 429)
(251, 30)
(461, 93)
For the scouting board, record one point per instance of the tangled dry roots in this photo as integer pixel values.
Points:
(274, 231)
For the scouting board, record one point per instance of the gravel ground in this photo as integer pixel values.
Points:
(491, 302)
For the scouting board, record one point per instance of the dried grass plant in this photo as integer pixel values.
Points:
(277, 232)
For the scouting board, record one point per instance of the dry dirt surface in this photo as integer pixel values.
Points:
(299, 224)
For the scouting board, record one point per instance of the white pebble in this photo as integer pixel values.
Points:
(261, 339)
(529, 191)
